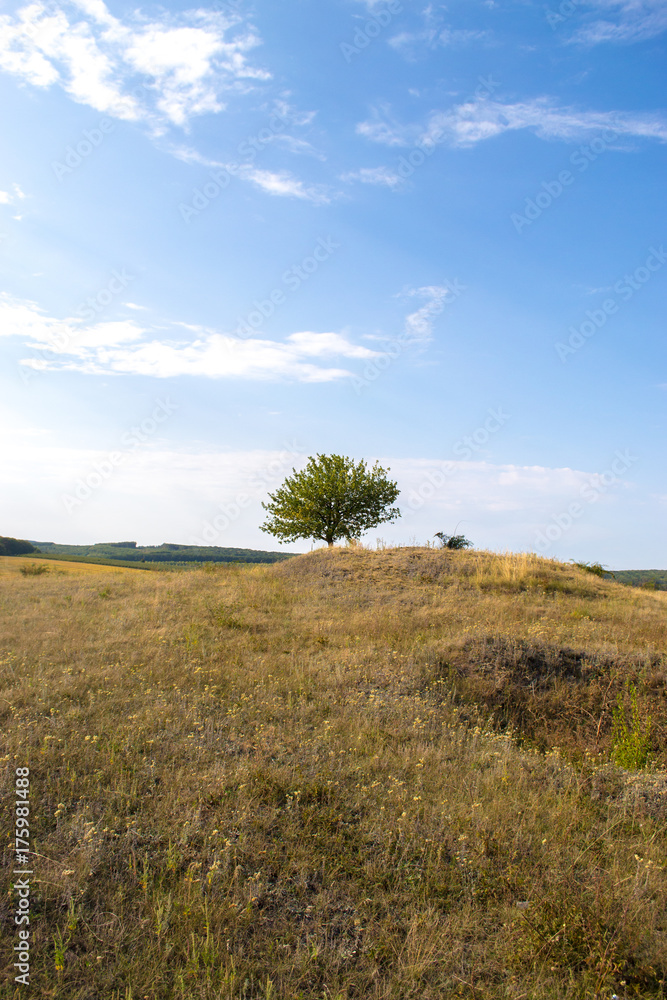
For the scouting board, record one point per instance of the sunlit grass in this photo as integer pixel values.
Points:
(335, 777)
(13, 565)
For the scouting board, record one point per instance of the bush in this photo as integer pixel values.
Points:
(596, 568)
(453, 541)
(631, 740)
(34, 569)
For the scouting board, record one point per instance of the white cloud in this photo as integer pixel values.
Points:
(159, 493)
(472, 122)
(419, 324)
(434, 33)
(623, 22)
(280, 183)
(380, 176)
(384, 129)
(10, 197)
(125, 348)
(483, 486)
(370, 5)
(284, 184)
(300, 147)
(408, 43)
(327, 345)
(60, 337)
(163, 72)
(154, 494)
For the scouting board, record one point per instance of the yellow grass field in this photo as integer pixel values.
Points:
(353, 774)
(11, 566)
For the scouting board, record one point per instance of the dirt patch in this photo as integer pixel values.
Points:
(554, 695)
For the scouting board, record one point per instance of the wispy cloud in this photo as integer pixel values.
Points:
(433, 32)
(284, 184)
(505, 487)
(124, 347)
(419, 324)
(472, 122)
(163, 72)
(198, 482)
(623, 21)
(409, 43)
(12, 198)
(379, 176)
(281, 183)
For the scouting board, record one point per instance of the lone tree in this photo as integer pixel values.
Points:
(332, 498)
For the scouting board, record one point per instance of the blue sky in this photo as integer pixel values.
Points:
(240, 234)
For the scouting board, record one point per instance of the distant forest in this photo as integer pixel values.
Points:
(15, 547)
(652, 579)
(167, 552)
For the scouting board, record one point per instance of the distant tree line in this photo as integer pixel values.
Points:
(16, 547)
(651, 579)
(167, 552)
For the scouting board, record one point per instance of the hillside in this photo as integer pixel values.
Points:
(335, 777)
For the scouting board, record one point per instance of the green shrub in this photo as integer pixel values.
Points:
(596, 568)
(34, 569)
(453, 541)
(631, 740)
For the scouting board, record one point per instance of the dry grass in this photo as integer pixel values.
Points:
(11, 566)
(333, 778)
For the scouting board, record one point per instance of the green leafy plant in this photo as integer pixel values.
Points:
(332, 498)
(596, 568)
(631, 739)
(34, 569)
(453, 541)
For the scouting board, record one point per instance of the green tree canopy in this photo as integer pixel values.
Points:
(15, 546)
(332, 498)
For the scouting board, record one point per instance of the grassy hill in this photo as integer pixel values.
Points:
(350, 774)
